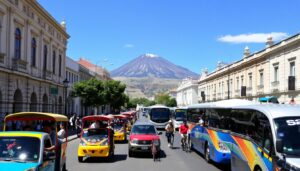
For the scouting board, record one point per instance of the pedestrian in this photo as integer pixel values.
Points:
(78, 126)
(170, 132)
(61, 133)
(71, 122)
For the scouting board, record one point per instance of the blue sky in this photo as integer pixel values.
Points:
(192, 33)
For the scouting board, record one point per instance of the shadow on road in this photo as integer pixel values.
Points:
(149, 155)
(117, 158)
(223, 167)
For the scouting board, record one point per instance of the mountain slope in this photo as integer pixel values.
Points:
(150, 65)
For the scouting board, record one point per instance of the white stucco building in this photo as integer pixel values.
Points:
(273, 71)
(187, 92)
(32, 58)
(72, 75)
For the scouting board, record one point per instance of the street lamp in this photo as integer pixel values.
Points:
(66, 84)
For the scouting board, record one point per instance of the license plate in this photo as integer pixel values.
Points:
(144, 148)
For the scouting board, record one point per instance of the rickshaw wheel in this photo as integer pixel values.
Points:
(64, 167)
(80, 159)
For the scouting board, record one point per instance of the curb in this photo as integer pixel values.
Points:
(72, 137)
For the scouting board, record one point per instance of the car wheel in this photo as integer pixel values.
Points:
(130, 153)
(80, 159)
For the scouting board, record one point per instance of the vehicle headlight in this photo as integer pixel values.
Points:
(134, 141)
(82, 143)
(156, 142)
(104, 142)
(223, 147)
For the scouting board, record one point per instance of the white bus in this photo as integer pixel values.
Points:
(260, 137)
(159, 115)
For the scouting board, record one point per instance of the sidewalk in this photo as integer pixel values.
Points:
(72, 135)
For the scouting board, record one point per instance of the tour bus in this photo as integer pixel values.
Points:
(159, 115)
(178, 117)
(258, 137)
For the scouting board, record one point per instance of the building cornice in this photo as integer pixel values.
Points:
(25, 75)
(36, 6)
(253, 58)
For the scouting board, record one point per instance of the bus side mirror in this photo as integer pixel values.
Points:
(279, 146)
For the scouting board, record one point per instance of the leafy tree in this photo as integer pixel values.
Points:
(114, 93)
(165, 99)
(95, 93)
(91, 92)
(144, 101)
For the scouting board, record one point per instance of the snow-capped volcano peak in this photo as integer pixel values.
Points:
(152, 65)
(150, 55)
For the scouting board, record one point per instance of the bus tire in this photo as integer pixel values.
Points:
(257, 168)
(80, 159)
(191, 145)
(207, 153)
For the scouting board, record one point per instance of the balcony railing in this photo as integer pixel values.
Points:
(47, 75)
(275, 83)
(19, 64)
(2, 57)
(260, 87)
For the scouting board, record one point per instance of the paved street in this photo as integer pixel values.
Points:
(172, 159)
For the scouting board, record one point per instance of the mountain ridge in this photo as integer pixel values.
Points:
(148, 65)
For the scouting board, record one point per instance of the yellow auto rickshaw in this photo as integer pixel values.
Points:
(96, 138)
(119, 126)
(43, 122)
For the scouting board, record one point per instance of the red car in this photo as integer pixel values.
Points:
(142, 136)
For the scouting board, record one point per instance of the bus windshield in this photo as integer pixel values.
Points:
(160, 114)
(180, 114)
(20, 149)
(288, 130)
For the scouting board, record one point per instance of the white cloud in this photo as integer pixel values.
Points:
(128, 46)
(252, 37)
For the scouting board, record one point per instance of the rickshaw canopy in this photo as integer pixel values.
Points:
(120, 116)
(96, 118)
(23, 116)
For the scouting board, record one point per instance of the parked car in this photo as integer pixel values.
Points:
(142, 135)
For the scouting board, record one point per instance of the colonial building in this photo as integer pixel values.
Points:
(72, 75)
(32, 58)
(273, 71)
(100, 72)
(187, 92)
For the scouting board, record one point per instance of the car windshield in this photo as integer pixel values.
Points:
(118, 126)
(95, 133)
(19, 149)
(160, 114)
(288, 130)
(143, 129)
